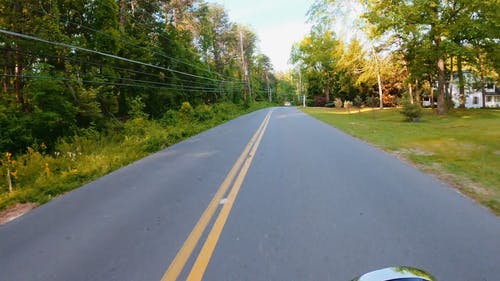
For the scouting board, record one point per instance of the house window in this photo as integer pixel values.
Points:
(489, 98)
(497, 98)
(475, 100)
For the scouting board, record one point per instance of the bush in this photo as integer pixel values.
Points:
(330, 104)
(203, 113)
(186, 112)
(170, 118)
(338, 103)
(413, 112)
(358, 101)
(137, 107)
(372, 101)
(347, 105)
(319, 101)
(136, 127)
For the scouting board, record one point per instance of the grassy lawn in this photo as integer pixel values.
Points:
(461, 148)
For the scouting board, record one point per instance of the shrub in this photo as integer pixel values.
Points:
(203, 113)
(372, 101)
(413, 112)
(154, 144)
(136, 127)
(358, 101)
(137, 107)
(338, 103)
(170, 118)
(319, 101)
(186, 112)
(348, 105)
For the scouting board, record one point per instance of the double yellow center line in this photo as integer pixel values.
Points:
(242, 166)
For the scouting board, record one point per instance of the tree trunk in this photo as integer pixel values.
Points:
(441, 81)
(436, 34)
(450, 91)
(417, 94)
(380, 94)
(9, 180)
(6, 79)
(327, 92)
(17, 80)
(432, 96)
(483, 83)
(461, 84)
(123, 13)
(410, 90)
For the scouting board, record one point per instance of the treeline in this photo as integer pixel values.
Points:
(68, 66)
(404, 49)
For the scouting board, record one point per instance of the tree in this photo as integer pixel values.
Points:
(317, 55)
(432, 30)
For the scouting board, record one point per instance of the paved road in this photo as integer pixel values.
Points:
(306, 202)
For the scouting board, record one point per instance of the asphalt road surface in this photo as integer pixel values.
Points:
(273, 195)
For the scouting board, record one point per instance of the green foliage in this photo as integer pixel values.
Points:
(372, 101)
(203, 113)
(412, 111)
(186, 112)
(358, 101)
(52, 92)
(137, 108)
(170, 118)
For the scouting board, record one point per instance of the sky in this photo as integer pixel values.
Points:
(277, 23)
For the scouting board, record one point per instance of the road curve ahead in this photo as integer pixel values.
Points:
(273, 195)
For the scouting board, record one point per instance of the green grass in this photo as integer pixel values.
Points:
(462, 148)
(40, 176)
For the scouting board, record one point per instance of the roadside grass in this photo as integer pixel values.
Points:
(39, 176)
(461, 148)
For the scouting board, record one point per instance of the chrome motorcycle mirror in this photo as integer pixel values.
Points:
(399, 273)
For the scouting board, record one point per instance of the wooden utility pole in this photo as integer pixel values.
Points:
(269, 94)
(243, 68)
(245, 71)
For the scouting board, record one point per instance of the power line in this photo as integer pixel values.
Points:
(208, 90)
(179, 86)
(137, 46)
(30, 37)
(41, 54)
(134, 45)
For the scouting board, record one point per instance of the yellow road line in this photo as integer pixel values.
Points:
(187, 248)
(201, 263)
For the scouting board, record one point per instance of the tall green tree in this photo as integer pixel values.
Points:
(317, 56)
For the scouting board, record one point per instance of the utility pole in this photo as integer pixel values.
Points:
(269, 94)
(300, 90)
(244, 69)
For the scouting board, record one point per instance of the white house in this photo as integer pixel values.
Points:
(473, 94)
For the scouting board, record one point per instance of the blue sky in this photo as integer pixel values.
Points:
(278, 24)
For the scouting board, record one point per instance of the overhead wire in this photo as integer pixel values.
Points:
(41, 54)
(41, 77)
(141, 47)
(177, 79)
(61, 44)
